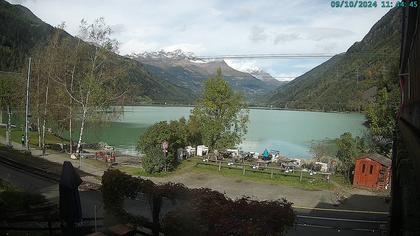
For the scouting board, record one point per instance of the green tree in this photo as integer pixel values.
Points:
(91, 75)
(194, 132)
(222, 114)
(47, 65)
(10, 96)
(381, 117)
(347, 152)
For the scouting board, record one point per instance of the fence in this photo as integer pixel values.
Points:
(258, 168)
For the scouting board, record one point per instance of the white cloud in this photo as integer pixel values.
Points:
(286, 37)
(258, 34)
(243, 65)
(137, 46)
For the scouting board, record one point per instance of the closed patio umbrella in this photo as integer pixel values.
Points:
(70, 207)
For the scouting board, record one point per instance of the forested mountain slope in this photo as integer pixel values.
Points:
(350, 80)
(21, 32)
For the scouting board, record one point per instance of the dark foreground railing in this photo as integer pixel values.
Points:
(55, 227)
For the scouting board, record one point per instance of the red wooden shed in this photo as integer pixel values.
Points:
(372, 171)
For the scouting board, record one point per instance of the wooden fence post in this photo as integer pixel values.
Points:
(243, 170)
(300, 178)
(220, 165)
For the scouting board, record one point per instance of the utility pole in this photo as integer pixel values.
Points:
(27, 107)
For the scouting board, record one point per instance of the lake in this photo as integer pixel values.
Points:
(290, 132)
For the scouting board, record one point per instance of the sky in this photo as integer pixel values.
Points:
(221, 27)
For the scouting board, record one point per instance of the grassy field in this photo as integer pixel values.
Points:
(33, 137)
(184, 166)
(308, 182)
(316, 182)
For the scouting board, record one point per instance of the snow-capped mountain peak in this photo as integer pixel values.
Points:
(177, 54)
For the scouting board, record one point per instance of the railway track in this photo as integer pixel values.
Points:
(5, 161)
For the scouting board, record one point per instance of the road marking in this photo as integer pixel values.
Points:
(316, 226)
(336, 228)
(342, 210)
(342, 219)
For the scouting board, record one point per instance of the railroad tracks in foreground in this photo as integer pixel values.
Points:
(5, 161)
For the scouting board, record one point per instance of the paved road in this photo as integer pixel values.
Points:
(339, 223)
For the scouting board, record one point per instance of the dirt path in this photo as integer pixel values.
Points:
(235, 188)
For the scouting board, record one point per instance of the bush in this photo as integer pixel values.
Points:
(153, 161)
(211, 213)
(178, 133)
(199, 211)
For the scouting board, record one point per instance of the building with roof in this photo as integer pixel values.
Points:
(372, 171)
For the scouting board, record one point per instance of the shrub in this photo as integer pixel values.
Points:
(153, 161)
(150, 143)
(199, 211)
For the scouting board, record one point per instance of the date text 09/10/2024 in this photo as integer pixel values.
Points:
(372, 4)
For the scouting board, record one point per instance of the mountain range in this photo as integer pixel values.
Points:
(347, 81)
(187, 71)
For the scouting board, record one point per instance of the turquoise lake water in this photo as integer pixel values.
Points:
(290, 132)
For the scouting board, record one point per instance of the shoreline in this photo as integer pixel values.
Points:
(250, 107)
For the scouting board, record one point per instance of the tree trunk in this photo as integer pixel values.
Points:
(71, 110)
(70, 130)
(9, 127)
(348, 176)
(38, 120)
(39, 132)
(45, 119)
(82, 126)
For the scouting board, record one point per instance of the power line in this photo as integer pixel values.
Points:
(285, 55)
(265, 56)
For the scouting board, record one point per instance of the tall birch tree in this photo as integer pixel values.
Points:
(95, 73)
